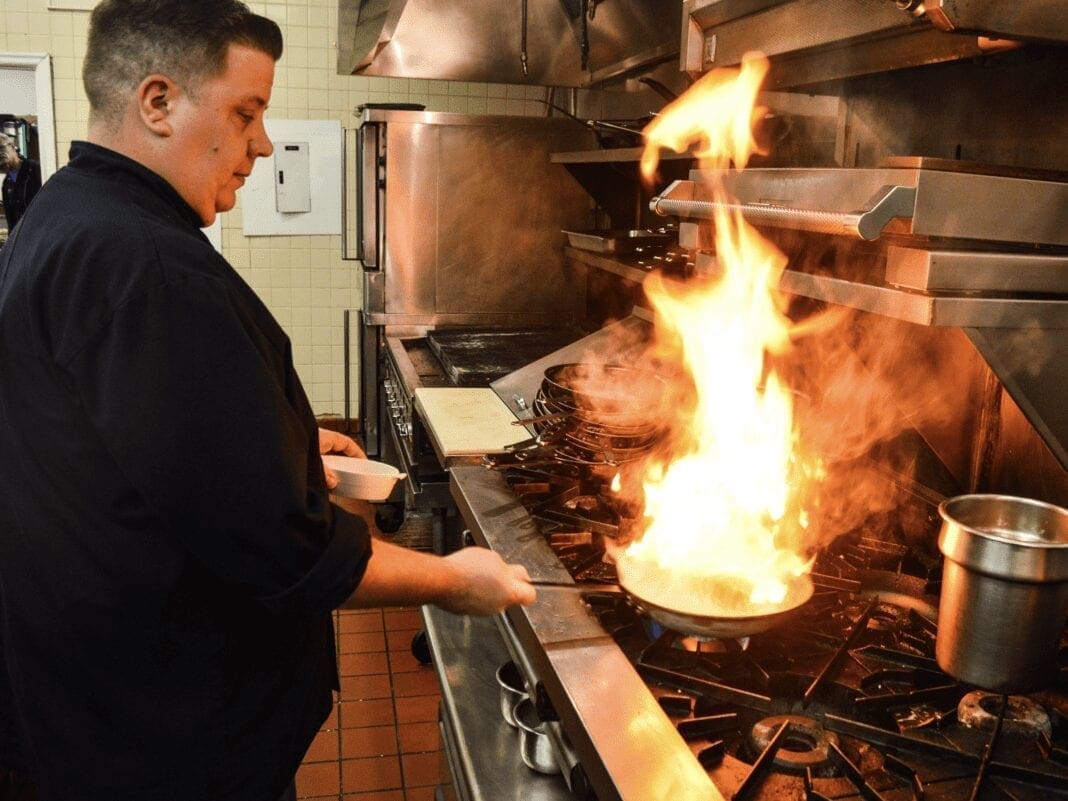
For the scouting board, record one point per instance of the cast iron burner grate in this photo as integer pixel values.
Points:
(845, 702)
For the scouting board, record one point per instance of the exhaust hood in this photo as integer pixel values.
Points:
(814, 41)
(575, 43)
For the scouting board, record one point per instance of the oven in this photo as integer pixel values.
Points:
(916, 181)
(458, 224)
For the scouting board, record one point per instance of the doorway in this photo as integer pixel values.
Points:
(26, 94)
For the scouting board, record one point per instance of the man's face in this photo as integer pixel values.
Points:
(9, 157)
(219, 132)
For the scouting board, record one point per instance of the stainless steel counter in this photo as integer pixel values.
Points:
(482, 749)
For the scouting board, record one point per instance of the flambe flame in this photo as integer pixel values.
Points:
(724, 524)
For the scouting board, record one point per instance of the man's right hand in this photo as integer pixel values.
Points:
(486, 583)
(471, 581)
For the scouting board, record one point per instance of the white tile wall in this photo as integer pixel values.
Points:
(303, 279)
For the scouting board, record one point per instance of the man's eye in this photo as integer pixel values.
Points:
(248, 118)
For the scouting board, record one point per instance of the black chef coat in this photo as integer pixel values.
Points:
(168, 554)
(18, 191)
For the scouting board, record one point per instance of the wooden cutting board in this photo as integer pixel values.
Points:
(467, 421)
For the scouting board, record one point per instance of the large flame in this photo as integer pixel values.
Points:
(724, 529)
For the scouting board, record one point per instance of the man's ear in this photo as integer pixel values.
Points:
(154, 97)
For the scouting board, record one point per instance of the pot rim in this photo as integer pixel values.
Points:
(1038, 555)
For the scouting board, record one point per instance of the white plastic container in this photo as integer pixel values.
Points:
(364, 479)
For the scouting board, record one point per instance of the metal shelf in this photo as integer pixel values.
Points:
(964, 311)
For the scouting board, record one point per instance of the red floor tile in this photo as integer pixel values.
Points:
(331, 721)
(381, 741)
(355, 688)
(372, 712)
(419, 794)
(376, 773)
(325, 746)
(424, 682)
(403, 619)
(318, 778)
(368, 741)
(420, 769)
(400, 639)
(404, 662)
(354, 622)
(418, 737)
(361, 642)
(363, 664)
(417, 709)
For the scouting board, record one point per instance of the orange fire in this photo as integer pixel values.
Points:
(725, 525)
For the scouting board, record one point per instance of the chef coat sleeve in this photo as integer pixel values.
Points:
(193, 394)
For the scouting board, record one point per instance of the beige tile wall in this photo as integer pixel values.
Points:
(303, 279)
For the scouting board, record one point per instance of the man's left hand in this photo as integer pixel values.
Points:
(336, 442)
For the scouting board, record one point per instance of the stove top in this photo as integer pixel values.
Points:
(847, 701)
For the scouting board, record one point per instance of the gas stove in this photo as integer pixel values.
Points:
(846, 701)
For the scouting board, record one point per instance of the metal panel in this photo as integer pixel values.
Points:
(813, 41)
(969, 311)
(976, 271)
(368, 212)
(411, 235)
(467, 652)
(1034, 369)
(472, 218)
(483, 40)
(499, 522)
(836, 200)
(993, 208)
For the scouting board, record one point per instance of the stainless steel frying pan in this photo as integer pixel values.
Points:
(726, 627)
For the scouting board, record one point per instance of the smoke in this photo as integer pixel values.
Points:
(861, 384)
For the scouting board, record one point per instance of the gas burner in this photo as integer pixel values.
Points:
(709, 645)
(979, 710)
(805, 745)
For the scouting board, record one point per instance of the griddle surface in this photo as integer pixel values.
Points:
(474, 357)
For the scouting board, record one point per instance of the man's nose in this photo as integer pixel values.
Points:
(261, 144)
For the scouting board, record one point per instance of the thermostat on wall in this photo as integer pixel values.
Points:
(292, 177)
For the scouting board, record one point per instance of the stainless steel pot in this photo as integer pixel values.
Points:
(536, 749)
(1004, 599)
(512, 690)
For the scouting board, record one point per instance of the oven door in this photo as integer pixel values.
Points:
(370, 192)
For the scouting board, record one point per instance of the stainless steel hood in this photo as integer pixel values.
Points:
(540, 42)
(813, 41)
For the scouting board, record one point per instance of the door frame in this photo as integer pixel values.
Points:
(41, 64)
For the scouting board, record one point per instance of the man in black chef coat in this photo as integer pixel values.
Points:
(169, 557)
(22, 179)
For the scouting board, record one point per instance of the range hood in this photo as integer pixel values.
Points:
(573, 43)
(814, 41)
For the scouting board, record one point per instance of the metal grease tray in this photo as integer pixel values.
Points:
(616, 241)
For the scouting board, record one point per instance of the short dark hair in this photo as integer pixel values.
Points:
(186, 40)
